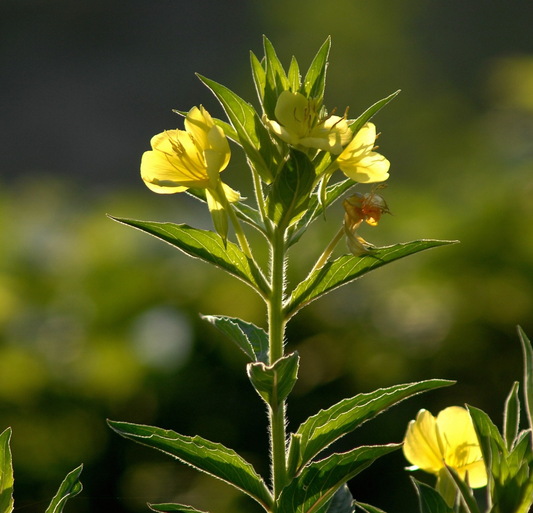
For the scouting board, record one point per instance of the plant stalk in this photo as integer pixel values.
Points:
(327, 252)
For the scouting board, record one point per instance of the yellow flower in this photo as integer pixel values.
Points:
(359, 162)
(449, 439)
(193, 157)
(299, 123)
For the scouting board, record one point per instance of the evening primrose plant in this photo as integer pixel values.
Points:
(294, 146)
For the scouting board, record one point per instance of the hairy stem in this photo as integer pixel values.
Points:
(327, 252)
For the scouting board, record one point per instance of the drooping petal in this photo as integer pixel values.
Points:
(218, 142)
(198, 122)
(421, 446)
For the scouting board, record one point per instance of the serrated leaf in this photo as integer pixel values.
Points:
(322, 429)
(259, 76)
(348, 268)
(511, 416)
(209, 457)
(206, 246)
(315, 79)
(429, 500)
(274, 382)
(276, 79)
(167, 508)
(294, 76)
(70, 487)
(289, 195)
(6, 473)
(253, 135)
(371, 111)
(319, 480)
(314, 209)
(528, 374)
(368, 508)
(251, 339)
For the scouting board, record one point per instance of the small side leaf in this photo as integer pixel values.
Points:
(274, 382)
(167, 508)
(322, 429)
(6, 473)
(348, 268)
(251, 339)
(371, 111)
(206, 246)
(511, 417)
(367, 508)
(289, 195)
(315, 79)
(209, 457)
(429, 500)
(70, 487)
(319, 480)
(528, 374)
(276, 79)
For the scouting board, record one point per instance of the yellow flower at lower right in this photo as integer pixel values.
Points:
(449, 439)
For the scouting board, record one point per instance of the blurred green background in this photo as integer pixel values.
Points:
(99, 321)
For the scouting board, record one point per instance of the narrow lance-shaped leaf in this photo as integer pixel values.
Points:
(511, 416)
(253, 135)
(528, 374)
(251, 339)
(348, 268)
(315, 79)
(322, 429)
(318, 481)
(6, 473)
(206, 246)
(167, 508)
(367, 508)
(274, 382)
(371, 112)
(209, 457)
(465, 492)
(314, 209)
(70, 487)
(276, 79)
(259, 76)
(289, 195)
(429, 500)
(294, 76)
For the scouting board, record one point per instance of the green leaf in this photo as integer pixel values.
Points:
(276, 79)
(342, 502)
(314, 209)
(229, 131)
(465, 492)
(206, 246)
(209, 457)
(487, 433)
(528, 374)
(315, 79)
(259, 76)
(367, 508)
(318, 481)
(429, 500)
(274, 382)
(6, 473)
(182, 508)
(322, 429)
(251, 339)
(294, 76)
(70, 487)
(289, 195)
(371, 111)
(253, 136)
(348, 268)
(511, 417)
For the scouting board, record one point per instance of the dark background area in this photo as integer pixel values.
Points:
(98, 321)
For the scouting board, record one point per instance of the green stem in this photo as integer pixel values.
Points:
(276, 325)
(243, 242)
(327, 252)
(259, 194)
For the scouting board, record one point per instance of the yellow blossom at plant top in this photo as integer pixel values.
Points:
(299, 123)
(449, 439)
(359, 162)
(193, 157)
